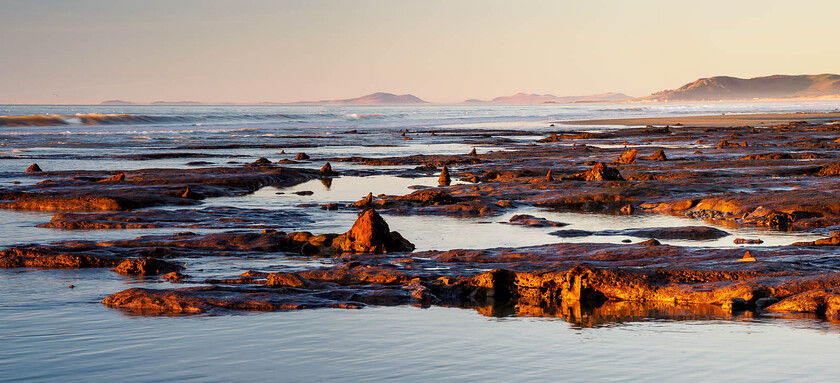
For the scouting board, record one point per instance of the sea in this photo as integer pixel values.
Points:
(52, 333)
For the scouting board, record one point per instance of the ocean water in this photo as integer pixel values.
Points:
(49, 332)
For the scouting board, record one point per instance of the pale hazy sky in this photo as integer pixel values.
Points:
(442, 51)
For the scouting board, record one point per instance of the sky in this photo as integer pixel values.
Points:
(251, 51)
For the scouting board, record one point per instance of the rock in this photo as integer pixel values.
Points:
(428, 167)
(600, 172)
(174, 276)
(570, 233)
(821, 301)
(747, 257)
(548, 177)
(650, 242)
(195, 300)
(262, 161)
(766, 301)
(734, 304)
(628, 157)
(767, 156)
(444, 179)
(330, 206)
(628, 209)
(473, 153)
(371, 234)
(287, 280)
(191, 195)
(118, 177)
(727, 144)
(683, 232)
(145, 266)
(658, 156)
(199, 163)
(366, 202)
(304, 192)
(743, 241)
(301, 156)
(832, 170)
(33, 168)
(326, 170)
(429, 197)
(531, 221)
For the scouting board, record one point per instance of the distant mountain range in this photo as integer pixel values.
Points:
(522, 98)
(719, 88)
(722, 88)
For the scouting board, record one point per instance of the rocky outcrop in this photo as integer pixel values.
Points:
(628, 157)
(599, 172)
(371, 234)
(146, 266)
(34, 168)
(85, 191)
(658, 156)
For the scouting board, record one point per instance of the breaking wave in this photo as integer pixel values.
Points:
(356, 116)
(135, 119)
(83, 119)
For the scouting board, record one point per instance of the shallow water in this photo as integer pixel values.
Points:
(49, 332)
(52, 333)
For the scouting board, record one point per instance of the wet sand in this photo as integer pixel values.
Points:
(714, 121)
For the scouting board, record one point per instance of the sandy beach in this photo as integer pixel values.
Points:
(714, 121)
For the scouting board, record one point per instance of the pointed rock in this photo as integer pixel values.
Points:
(371, 234)
(473, 153)
(658, 156)
(327, 170)
(628, 209)
(548, 176)
(444, 179)
(262, 161)
(366, 202)
(33, 168)
(747, 257)
(628, 157)
(601, 172)
(118, 177)
(301, 156)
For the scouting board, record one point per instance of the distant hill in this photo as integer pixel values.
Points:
(116, 102)
(523, 98)
(379, 98)
(769, 87)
